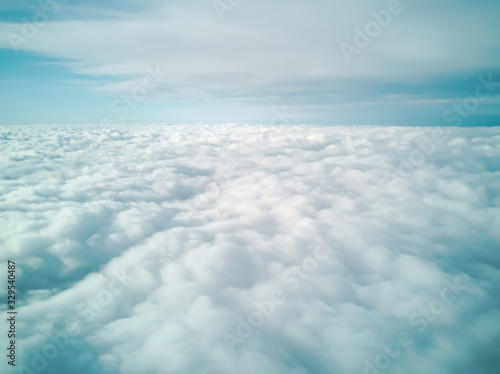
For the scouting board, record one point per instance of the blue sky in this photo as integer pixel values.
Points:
(72, 62)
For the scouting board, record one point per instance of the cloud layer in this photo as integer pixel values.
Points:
(244, 249)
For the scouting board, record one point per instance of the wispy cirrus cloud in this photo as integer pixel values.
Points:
(273, 52)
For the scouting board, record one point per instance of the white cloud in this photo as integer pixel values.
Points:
(146, 244)
(253, 48)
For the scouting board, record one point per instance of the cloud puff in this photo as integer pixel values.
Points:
(238, 249)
